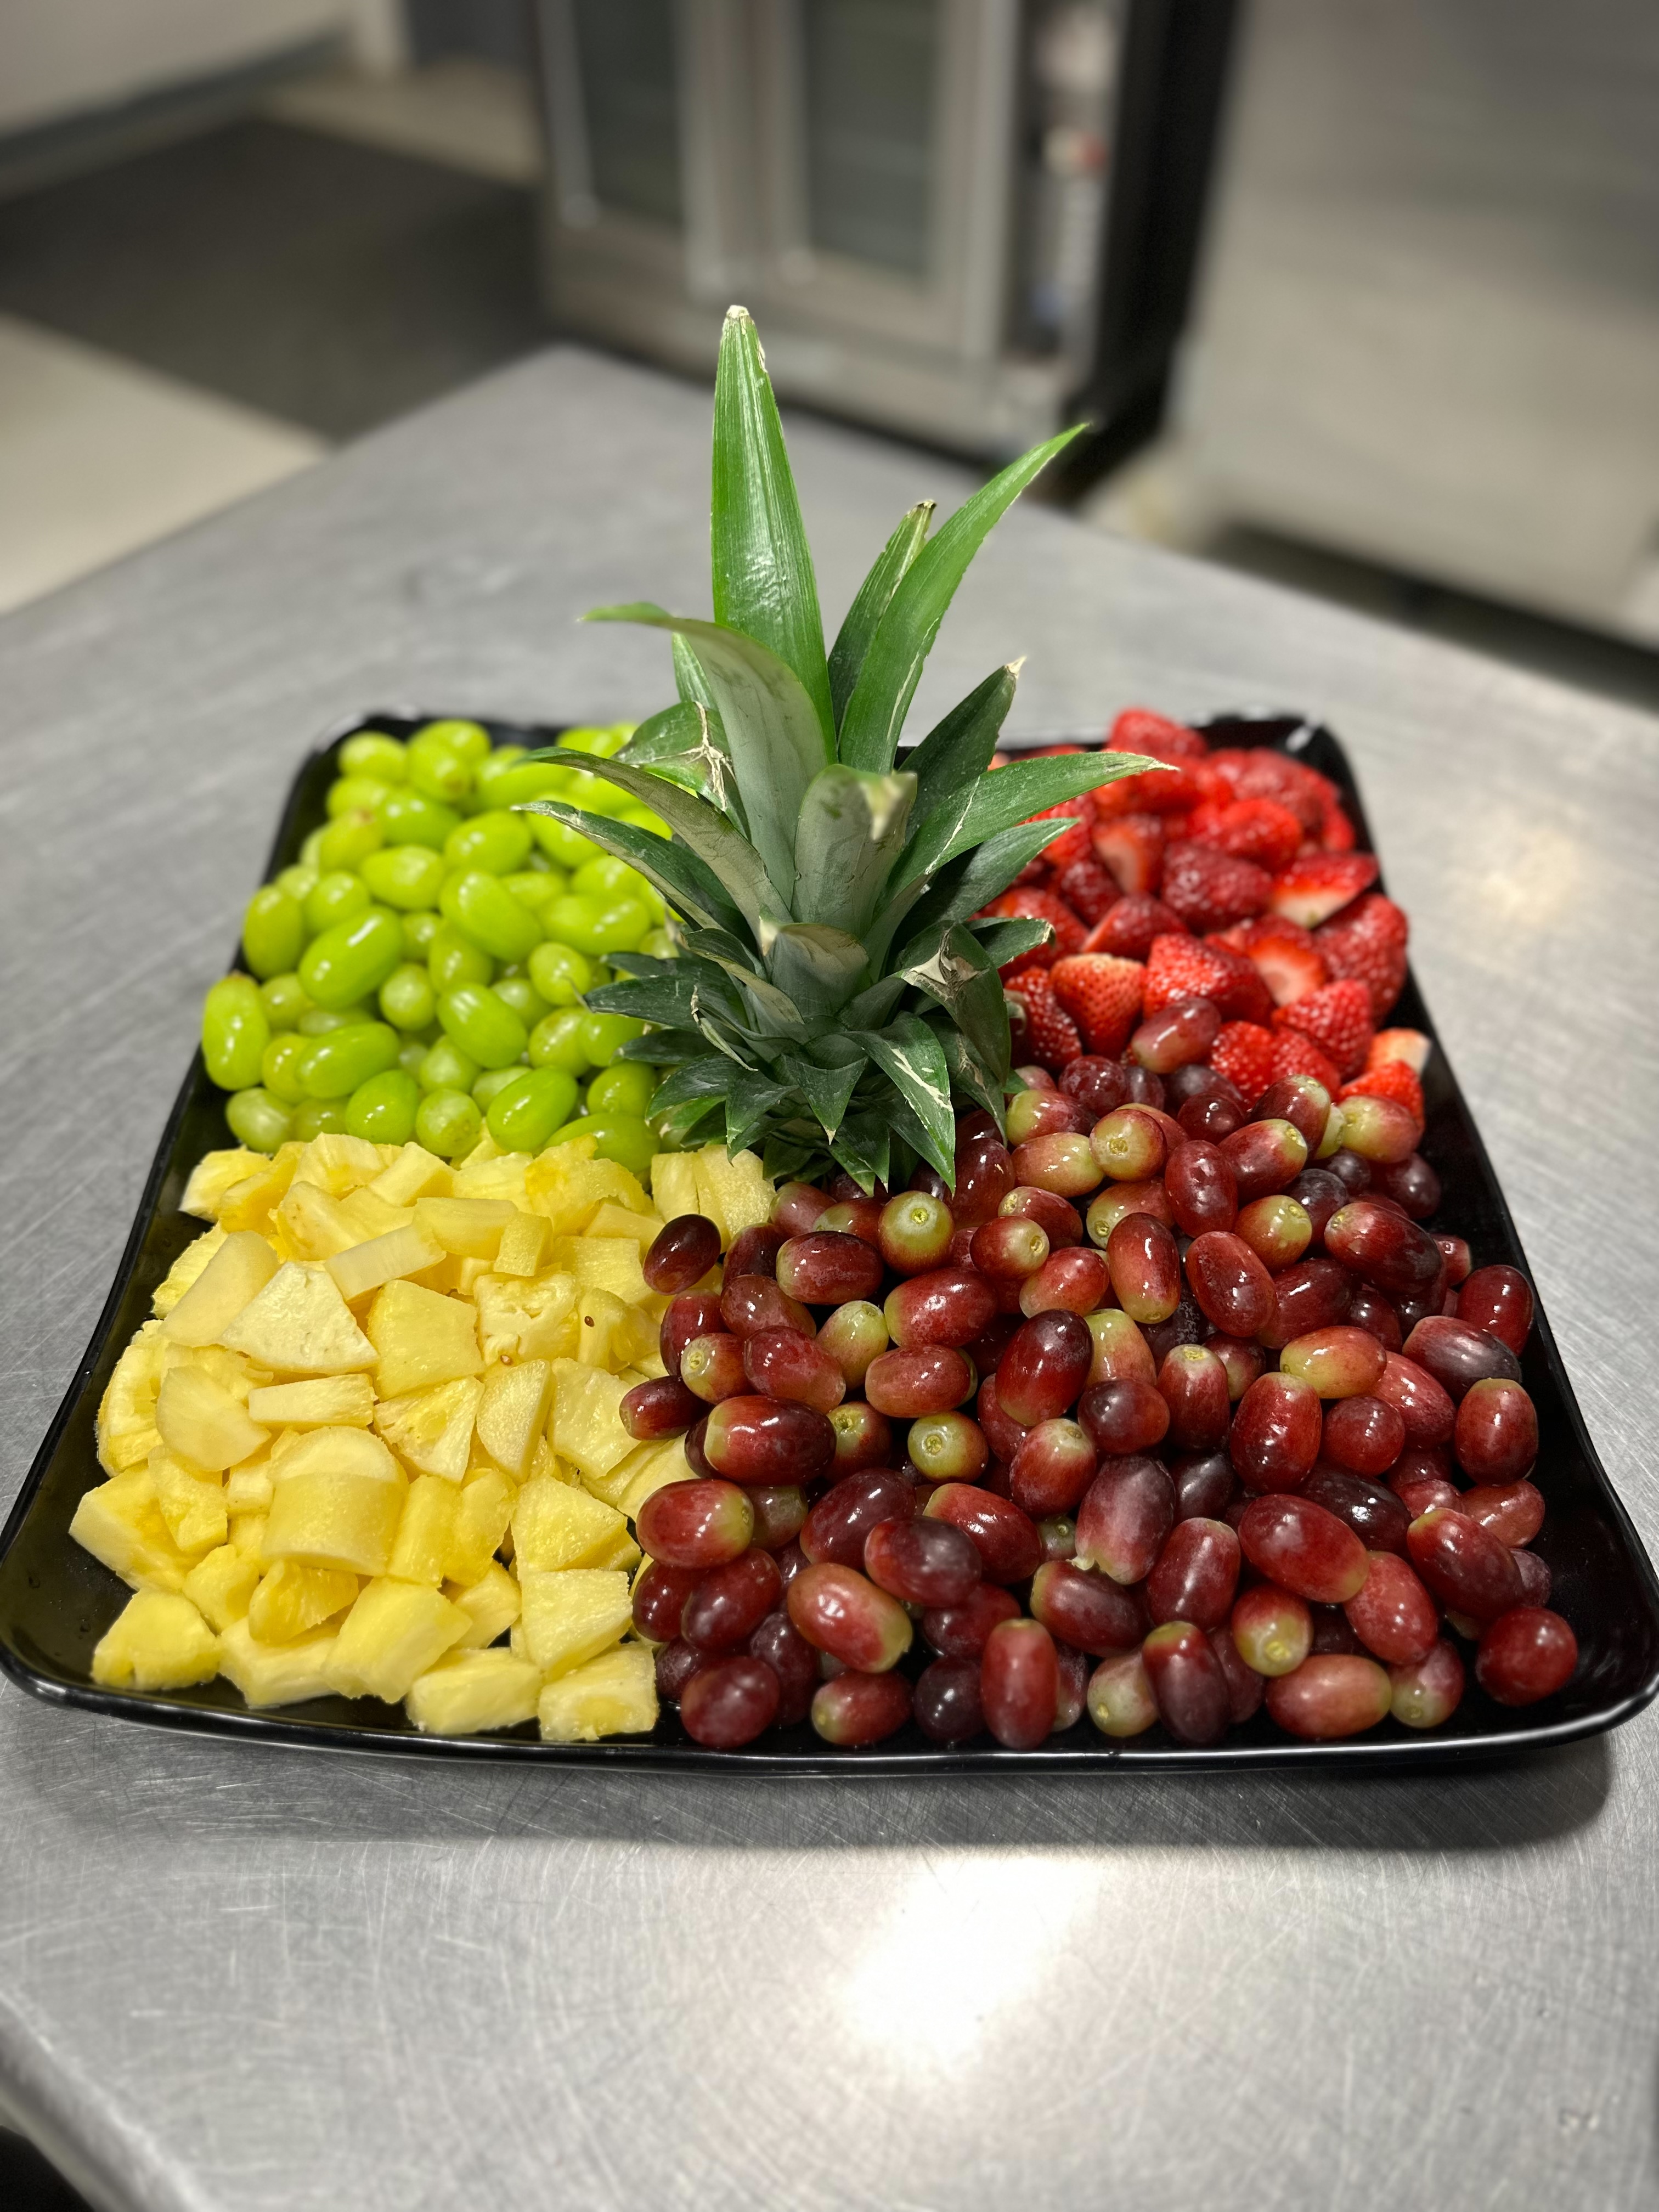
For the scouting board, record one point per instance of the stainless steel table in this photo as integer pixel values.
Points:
(238, 1977)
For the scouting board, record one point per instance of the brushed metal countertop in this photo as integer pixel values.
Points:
(238, 1978)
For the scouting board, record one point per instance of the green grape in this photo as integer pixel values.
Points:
(495, 842)
(349, 839)
(518, 992)
(319, 1117)
(558, 1041)
(371, 752)
(492, 1081)
(419, 930)
(309, 850)
(455, 959)
(604, 1036)
(438, 771)
(407, 998)
(603, 974)
(528, 1108)
(560, 973)
(485, 1028)
(611, 878)
(493, 776)
(659, 945)
(447, 1068)
(356, 794)
(598, 925)
(318, 1021)
(483, 908)
(285, 999)
(235, 1032)
(353, 958)
(383, 1108)
(624, 1087)
(299, 881)
(411, 818)
(407, 877)
(339, 896)
(621, 1137)
(641, 818)
(273, 932)
(412, 1055)
(335, 1064)
(279, 1067)
(257, 1120)
(532, 887)
(447, 1123)
(469, 740)
(604, 738)
(566, 848)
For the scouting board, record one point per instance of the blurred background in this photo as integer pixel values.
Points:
(1365, 297)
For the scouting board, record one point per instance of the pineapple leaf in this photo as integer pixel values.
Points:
(708, 1077)
(977, 878)
(958, 750)
(911, 1057)
(853, 642)
(676, 729)
(748, 1102)
(689, 679)
(772, 731)
(1005, 940)
(1023, 788)
(664, 1047)
(689, 884)
(961, 977)
(969, 1074)
(851, 830)
(872, 1008)
(905, 636)
(686, 744)
(777, 1011)
(863, 1146)
(827, 1091)
(684, 1124)
(763, 582)
(818, 967)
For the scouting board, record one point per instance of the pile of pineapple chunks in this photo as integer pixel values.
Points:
(373, 1427)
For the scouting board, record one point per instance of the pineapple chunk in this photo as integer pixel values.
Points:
(220, 1585)
(158, 1642)
(738, 1193)
(291, 1599)
(231, 1370)
(520, 1252)
(372, 1217)
(426, 1532)
(488, 1172)
(337, 1504)
(312, 1226)
(615, 1694)
(481, 1513)
(469, 1692)
(212, 1176)
(185, 1271)
(492, 1603)
(415, 1173)
(674, 1183)
(201, 1421)
(568, 1184)
(617, 1221)
(275, 1674)
(527, 1321)
(337, 1164)
(601, 1263)
(383, 1260)
(247, 1534)
(573, 1615)
(299, 1324)
(614, 1335)
(472, 1227)
(241, 1266)
(247, 1489)
(120, 1523)
(421, 1338)
(248, 1204)
(514, 1414)
(556, 1525)
(127, 1433)
(668, 1463)
(586, 1427)
(395, 1631)
(323, 1402)
(193, 1504)
(433, 1429)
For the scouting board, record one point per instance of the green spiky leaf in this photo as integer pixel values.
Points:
(748, 1101)
(851, 831)
(852, 640)
(687, 883)
(960, 976)
(1005, 940)
(976, 878)
(820, 968)
(864, 1146)
(958, 750)
(827, 1091)
(910, 1056)
(1012, 795)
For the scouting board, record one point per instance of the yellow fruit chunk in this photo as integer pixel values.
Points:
(472, 1227)
(514, 1414)
(291, 1599)
(247, 1489)
(527, 1321)
(212, 1176)
(394, 1633)
(520, 1252)
(185, 1270)
(481, 1513)
(323, 1401)
(572, 1616)
(193, 1504)
(469, 1692)
(127, 1433)
(492, 1603)
(250, 1203)
(615, 1694)
(201, 1421)
(158, 1642)
(568, 1184)
(382, 1259)
(421, 1338)
(608, 1220)
(337, 1164)
(313, 1224)
(674, 1183)
(337, 1504)
(601, 1263)
(247, 1534)
(739, 1188)
(555, 1525)
(241, 1266)
(220, 1585)
(229, 1369)
(416, 1173)
(299, 1324)
(586, 1427)
(425, 1533)
(275, 1674)
(432, 1430)
(666, 1463)
(120, 1523)
(489, 1173)
(372, 1217)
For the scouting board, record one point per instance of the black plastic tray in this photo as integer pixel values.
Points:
(56, 1600)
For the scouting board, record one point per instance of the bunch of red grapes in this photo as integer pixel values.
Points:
(1154, 1425)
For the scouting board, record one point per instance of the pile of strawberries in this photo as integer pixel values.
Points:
(1231, 875)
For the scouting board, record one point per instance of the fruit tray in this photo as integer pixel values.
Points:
(56, 1600)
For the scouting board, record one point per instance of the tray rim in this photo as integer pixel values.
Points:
(1432, 1750)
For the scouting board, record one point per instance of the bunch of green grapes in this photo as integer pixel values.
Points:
(419, 972)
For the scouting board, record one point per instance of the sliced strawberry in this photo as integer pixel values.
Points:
(1284, 953)
(1130, 926)
(1072, 844)
(1139, 730)
(1244, 1052)
(1034, 876)
(1103, 995)
(1409, 1045)
(1315, 887)
(1188, 967)
(1131, 847)
(1088, 889)
(1050, 1034)
(1259, 772)
(1258, 829)
(1393, 1079)
(1210, 890)
(1336, 830)
(1171, 790)
(1040, 905)
(1295, 1054)
(1369, 944)
(1337, 1017)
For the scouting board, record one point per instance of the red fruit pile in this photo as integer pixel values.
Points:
(1239, 1432)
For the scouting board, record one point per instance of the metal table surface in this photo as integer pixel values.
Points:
(245, 1978)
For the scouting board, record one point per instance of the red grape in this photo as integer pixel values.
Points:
(853, 1335)
(1145, 1267)
(1126, 1417)
(842, 1612)
(1033, 1114)
(1088, 1610)
(1383, 1247)
(1381, 1130)
(1129, 1145)
(1512, 1511)
(1458, 1356)
(1379, 1518)
(1120, 1353)
(1303, 1548)
(1006, 1540)
(1062, 1163)
(1059, 1220)
(767, 1440)
(695, 1524)
(1310, 1295)
(1073, 1281)
(932, 1379)
(1019, 1684)
(946, 1701)
(1009, 1248)
(958, 1632)
(864, 1437)
(1499, 1301)
(782, 1364)
(1176, 1034)
(1204, 1485)
(1331, 1695)
(1274, 1439)
(682, 1253)
(1242, 1363)
(1496, 1435)
(1265, 1157)
(1364, 1434)
(1393, 1615)
(754, 1251)
(1120, 1700)
(1271, 1629)
(697, 1313)
(1127, 1514)
(826, 1268)
(947, 1305)
(1466, 1565)
(1192, 1383)
(1277, 1229)
(780, 1514)
(792, 1659)
(712, 1366)
(1203, 1193)
(660, 1596)
(730, 1602)
(663, 1407)
(1097, 1084)
(1369, 1310)
(1526, 1654)
(948, 1448)
(1196, 1574)
(749, 1304)
(1118, 1200)
(1044, 1367)
(926, 1562)
(1429, 1415)
(837, 1525)
(1339, 1363)
(857, 1709)
(1051, 1468)
(1428, 1691)
(730, 1702)
(1245, 1687)
(1187, 1684)
(1412, 1183)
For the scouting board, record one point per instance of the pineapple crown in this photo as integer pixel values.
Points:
(836, 994)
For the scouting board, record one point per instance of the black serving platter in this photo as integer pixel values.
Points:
(56, 1600)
